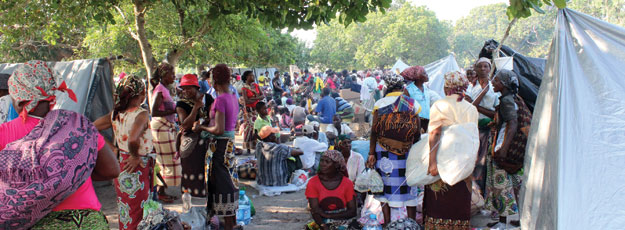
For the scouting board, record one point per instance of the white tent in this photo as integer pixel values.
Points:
(576, 148)
(436, 71)
(399, 66)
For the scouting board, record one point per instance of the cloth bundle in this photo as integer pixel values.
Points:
(46, 166)
(456, 156)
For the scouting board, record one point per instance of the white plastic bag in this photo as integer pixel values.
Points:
(362, 181)
(457, 152)
(299, 177)
(418, 162)
(196, 218)
(371, 206)
(376, 185)
(369, 181)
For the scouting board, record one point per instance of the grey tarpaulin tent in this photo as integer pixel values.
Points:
(576, 148)
(91, 81)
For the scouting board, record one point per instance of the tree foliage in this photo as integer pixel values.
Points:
(531, 36)
(406, 32)
(168, 29)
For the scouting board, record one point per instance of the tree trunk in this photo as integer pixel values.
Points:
(496, 52)
(144, 44)
(173, 56)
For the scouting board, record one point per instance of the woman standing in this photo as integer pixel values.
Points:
(222, 186)
(330, 195)
(190, 110)
(446, 206)
(252, 94)
(130, 125)
(47, 137)
(484, 99)
(503, 180)
(396, 127)
(420, 92)
(164, 130)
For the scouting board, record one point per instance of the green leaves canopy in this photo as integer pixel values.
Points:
(406, 32)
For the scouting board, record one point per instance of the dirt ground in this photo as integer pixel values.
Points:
(287, 211)
(284, 212)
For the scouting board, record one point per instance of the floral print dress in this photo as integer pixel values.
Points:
(133, 189)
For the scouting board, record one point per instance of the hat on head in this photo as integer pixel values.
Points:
(289, 101)
(189, 80)
(308, 129)
(266, 131)
(4, 81)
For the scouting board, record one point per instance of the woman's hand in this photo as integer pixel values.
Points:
(433, 169)
(197, 127)
(132, 163)
(371, 161)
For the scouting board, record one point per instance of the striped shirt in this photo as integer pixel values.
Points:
(271, 159)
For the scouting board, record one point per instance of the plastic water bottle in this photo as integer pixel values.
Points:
(243, 213)
(373, 223)
(186, 201)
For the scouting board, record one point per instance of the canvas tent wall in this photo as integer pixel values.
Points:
(576, 147)
(436, 71)
(91, 81)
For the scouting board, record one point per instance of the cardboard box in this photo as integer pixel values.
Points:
(360, 129)
(359, 113)
(349, 95)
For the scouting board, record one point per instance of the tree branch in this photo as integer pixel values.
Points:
(126, 22)
(181, 15)
(496, 52)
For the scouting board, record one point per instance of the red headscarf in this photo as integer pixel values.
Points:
(413, 73)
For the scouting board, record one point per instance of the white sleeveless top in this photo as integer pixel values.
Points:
(122, 126)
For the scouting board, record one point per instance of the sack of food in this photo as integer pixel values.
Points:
(418, 162)
(457, 152)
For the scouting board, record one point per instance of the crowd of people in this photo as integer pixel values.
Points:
(180, 132)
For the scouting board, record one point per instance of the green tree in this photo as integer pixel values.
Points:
(187, 21)
(530, 36)
(406, 32)
(50, 30)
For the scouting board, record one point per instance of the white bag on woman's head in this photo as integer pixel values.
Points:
(457, 152)
(418, 162)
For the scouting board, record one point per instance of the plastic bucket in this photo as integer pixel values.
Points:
(504, 63)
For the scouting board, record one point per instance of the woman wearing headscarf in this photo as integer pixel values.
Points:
(251, 95)
(396, 127)
(190, 110)
(448, 206)
(222, 186)
(330, 195)
(484, 99)
(40, 193)
(421, 93)
(163, 110)
(503, 179)
(130, 123)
